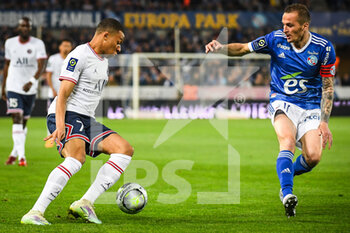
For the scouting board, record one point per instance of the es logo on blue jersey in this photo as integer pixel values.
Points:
(72, 64)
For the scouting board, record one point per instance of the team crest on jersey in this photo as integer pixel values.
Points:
(312, 60)
(71, 64)
(29, 51)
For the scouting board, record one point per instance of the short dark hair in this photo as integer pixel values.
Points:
(303, 12)
(26, 19)
(109, 25)
(66, 40)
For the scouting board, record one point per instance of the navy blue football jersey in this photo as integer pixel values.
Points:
(296, 74)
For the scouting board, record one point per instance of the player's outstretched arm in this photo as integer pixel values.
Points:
(66, 89)
(233, 49)
(3, 87)
(326, 109)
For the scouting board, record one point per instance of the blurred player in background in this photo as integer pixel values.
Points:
(53, 70)
(73, 126)
(301, 98)
(25, 59)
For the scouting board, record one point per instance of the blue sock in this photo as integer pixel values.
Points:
(300, 166)
(285, 171)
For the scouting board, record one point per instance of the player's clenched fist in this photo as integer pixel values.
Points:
(213, 46)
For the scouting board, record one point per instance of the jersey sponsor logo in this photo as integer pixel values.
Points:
(288, 76)
(314, 116)
(312, 60)
(22, 61)
(72, 64)
(292, 86)
(312, 53)
(91, 91)
(259, 44)
(326, 59)
(283, 46)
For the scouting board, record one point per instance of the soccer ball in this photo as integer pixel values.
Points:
(131, 198)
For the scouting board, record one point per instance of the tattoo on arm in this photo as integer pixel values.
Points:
(327, 98)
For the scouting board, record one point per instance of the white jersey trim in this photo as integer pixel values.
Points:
(98, 56)
(305, 46)
(68, 79)
(250, 47)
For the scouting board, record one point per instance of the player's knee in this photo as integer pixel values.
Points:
(313, 158)
(17, 118)
(127, 149)
(78, 156)
(287, 143)
(81, 159)
(122, 147)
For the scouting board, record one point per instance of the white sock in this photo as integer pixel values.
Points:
(18, 136)
(24, 144)
(14, 151)
(107, 176)
(56, 181)
(25, 134)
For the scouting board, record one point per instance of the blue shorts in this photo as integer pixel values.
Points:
(83, 127)
(18, 103)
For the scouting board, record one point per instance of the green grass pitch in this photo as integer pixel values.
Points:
(324, 194)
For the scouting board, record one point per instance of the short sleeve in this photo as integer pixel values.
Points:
(41, 52)
(262, 44)
(7, 51)
(49, 66)
(328, 61)
(72, 67)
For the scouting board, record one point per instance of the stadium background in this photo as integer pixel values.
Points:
(150, 29)
(178, 27)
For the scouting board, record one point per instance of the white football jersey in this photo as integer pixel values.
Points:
(89, 72)
(54, 66)
(23, 63)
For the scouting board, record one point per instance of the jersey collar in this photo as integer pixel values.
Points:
(94, 52)
(19, 40)
(305, 46)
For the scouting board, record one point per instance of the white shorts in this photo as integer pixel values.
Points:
(304, 120)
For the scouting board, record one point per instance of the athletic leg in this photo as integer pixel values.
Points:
(311, 152)
(18, 137)
(120, 153)
(21, 157)
(74, 154)
(286, 134)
